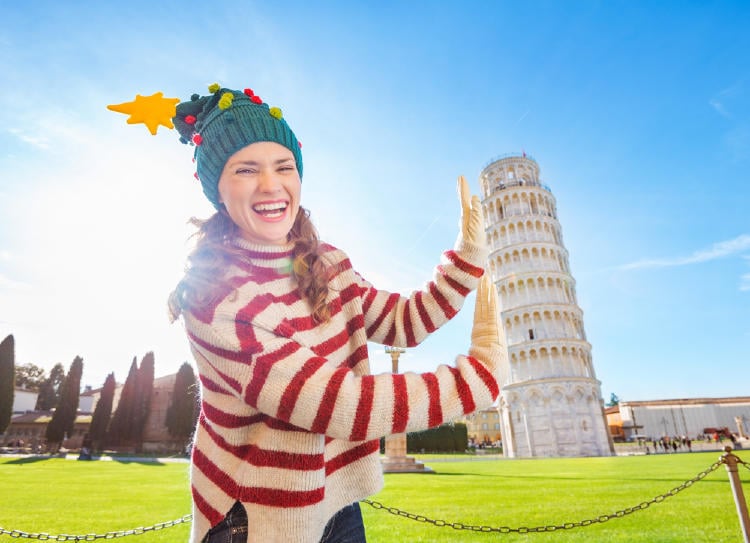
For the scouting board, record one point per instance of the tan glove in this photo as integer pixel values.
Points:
(487, 335)
(472, 222)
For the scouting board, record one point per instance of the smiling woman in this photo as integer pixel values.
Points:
(288, 437)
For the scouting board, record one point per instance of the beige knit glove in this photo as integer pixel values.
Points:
(487, 335)
(472, 223)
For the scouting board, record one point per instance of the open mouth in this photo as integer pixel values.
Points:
(271, 210)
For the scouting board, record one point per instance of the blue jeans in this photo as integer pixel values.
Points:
(346, 526)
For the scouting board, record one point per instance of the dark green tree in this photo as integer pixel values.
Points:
(29, 376)
(64, 416)
(182, 413)
(102, 413)
(121, 427)
(144, 391)
(49, 390)
(460, 436)
(7, 380)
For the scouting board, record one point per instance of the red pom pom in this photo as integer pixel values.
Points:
(256, 99)
(196, 176)
(190, 119)
(300, 144)
(249, 92)
(197, 139)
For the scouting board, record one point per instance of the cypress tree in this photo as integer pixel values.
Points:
(143, 393)
(49, 390)
(183, 411)
(121, 426)
(64, 417)
(102, 413)
(7, 381)
(460, 436)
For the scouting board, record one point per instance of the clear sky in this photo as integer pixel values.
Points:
(638, 114)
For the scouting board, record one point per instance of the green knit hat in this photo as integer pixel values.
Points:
(224, 122)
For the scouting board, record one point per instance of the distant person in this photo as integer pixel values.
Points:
(85, 453)
(287, 442)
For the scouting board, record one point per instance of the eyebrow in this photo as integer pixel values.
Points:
(256, 163)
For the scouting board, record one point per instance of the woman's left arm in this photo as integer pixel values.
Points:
(392, 319)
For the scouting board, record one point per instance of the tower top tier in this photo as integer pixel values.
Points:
(510, 171)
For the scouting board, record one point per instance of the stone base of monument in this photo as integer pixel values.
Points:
(396, 461)
(404, 464)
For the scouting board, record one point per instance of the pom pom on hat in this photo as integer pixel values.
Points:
(226, 100)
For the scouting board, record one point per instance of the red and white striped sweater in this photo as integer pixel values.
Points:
(291, 417)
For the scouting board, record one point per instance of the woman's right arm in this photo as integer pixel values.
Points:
(277, 376)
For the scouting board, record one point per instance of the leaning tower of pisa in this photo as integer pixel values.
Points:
(550, 401)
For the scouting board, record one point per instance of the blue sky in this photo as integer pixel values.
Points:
(638, 114)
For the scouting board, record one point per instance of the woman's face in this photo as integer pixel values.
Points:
(260, 188)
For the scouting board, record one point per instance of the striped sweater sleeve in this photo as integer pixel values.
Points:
(291, 383)
(401, 321)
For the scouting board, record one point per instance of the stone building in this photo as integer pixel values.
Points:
(156, 437)
(689, 417)
(550, 401)
(484, 427)
(26, 431)
(24, 400)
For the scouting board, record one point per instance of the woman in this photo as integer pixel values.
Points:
(288, 436)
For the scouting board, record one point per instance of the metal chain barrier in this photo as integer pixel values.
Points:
(398, 512)
(552, 527)
(94, 537)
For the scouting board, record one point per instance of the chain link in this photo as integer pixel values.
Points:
(552, 527)
(94, 537)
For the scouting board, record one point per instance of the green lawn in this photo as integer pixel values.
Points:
(65, 496)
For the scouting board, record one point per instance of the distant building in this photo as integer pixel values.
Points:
(27, 431)
(24, 400)
(614, 423)
(87, 400)
(156, 437)
(484, 427)
(691, 417)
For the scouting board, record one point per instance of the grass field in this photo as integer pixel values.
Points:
(59, 496)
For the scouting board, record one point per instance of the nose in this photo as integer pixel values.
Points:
(268, 182)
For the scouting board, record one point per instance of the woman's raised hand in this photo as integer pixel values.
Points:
(472, 224)
(487, 334)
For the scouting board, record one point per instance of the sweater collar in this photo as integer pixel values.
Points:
(269, 258)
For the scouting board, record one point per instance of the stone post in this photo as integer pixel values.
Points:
(395, 460)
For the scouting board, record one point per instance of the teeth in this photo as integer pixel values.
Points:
(278, 206)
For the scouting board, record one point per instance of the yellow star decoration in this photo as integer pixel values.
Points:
(151, 110)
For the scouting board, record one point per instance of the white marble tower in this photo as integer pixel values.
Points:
(550, 401)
